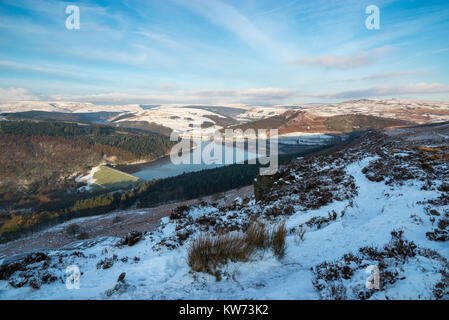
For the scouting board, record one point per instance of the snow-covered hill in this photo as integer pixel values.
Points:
(379, 203)
(65, 107)
(310, 119)
(410, 110)
(177, 118)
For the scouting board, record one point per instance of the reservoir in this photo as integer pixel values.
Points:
(164, 168)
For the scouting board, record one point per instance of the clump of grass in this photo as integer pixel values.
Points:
(207, 252)
(257, 236)
(278, 240)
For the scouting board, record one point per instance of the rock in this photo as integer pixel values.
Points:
(20, 262)
(34, 283)
(121, 277)
(131, 238)
(262, 186)
(179, 212)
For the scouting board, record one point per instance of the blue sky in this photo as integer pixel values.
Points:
(217, 51)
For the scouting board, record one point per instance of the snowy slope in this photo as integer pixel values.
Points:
(176, 118)
(65, 107)
(410, 110)
(373, 203)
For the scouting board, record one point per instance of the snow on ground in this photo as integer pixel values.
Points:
(65, 107)
(157, 268)
(414, 110)
(88, 179)
(176, 118)
(257, 113)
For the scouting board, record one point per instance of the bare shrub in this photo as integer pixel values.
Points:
(337, 292)
(82, 236)
(73, 229)
(300, 233)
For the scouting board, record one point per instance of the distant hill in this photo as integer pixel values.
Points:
(306, 122)
(96, 117)
(355, 122)
(269, 123)
(149, 127)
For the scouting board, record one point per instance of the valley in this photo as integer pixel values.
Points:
(226, 153)
(53, 150)
(380, 199)
(65, 189)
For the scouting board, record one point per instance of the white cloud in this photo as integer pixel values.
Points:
(166, 86)
(344, 62)
(16, 94)
(268, 93)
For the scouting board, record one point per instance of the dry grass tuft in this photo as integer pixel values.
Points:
(257, 236)
(207, 252)
(278, 240)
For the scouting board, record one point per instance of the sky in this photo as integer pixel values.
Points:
(255, 52)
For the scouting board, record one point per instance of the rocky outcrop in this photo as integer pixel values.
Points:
(263, 185)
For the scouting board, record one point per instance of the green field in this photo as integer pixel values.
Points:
(107, 177)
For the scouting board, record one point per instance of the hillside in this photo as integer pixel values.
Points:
(96, 117)
(104, 190)
(40, 158)
(150, 127)
(311, 118)
(358, 122)
(303, 122)
(377, 203)
(417, 111)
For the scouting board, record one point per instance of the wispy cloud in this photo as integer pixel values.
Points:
(440, 50)
(345, 62)
(230, 19)
(63, 71)
(159, 37)
(389, 75)
(134, 47)
(250, 96)
(388, 91)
